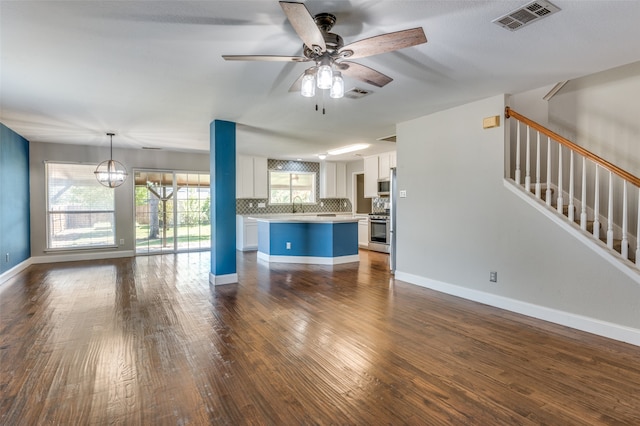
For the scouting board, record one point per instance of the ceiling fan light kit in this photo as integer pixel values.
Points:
(328, 52)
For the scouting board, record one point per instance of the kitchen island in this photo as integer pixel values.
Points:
(322, 240)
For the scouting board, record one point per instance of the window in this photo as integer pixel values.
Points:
(287, 187)
(172, 211)
(80, 211)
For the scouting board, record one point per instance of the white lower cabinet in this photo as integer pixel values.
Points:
(363, 233)
(246, 233)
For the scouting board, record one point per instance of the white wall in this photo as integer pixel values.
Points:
(41, 152)
(459, 222)
(600, 113)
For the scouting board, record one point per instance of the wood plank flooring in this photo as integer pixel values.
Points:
(147, 341)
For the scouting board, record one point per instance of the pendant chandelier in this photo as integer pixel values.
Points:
(111, 173)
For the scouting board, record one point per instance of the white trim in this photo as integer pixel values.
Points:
(10, 273)
(309, 259)
(223, 279)
(610, 255)
(71, 257)
(579, 322)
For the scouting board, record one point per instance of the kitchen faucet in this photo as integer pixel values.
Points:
(293, 204)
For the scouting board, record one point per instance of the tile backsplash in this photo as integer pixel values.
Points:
(378, 204)
(250, 206)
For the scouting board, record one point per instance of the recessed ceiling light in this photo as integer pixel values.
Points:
(322, 156)
(350, 148)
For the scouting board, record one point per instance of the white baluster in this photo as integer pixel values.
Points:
(560, 203)
(548, 171)
(583, 209)
(538, 187)
(596, 206)
(638, 232)
(610, 213)
(527, 176)
(518, 152)
(571, 212)
(624, 249)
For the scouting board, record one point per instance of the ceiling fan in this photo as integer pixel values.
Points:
(328, 52)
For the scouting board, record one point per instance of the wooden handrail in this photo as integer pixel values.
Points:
(508, 112)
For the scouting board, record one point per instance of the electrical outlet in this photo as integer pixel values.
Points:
(403, 193)
(345, 204)
(321, 203)
(288, 245)
(250, 204)
(493, 276)
(121, 240)
(261, 205)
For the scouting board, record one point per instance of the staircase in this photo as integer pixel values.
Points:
(591, 195)
(617, 242)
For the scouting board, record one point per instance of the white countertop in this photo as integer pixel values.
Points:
(306, 218)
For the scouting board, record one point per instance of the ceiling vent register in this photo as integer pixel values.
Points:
(356, 93)
(525, 15)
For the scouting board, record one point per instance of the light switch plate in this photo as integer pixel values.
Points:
(403, 193)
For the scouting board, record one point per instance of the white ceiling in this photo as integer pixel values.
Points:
(152, 71)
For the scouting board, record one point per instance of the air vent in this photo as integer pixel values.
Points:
(150, 147)
(525, 15)
(391, 138)
(356, 93)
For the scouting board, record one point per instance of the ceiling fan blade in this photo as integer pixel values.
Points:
(303, 23)
(297, 85)
(384, 43)
(272, 58)
(363, 73)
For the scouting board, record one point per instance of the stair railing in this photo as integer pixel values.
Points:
(627, 184)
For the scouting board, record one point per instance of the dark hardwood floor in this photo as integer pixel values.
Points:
(147, 341)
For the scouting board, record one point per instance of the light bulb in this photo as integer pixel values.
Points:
(337, 88)
(325, 75)
(308, 87)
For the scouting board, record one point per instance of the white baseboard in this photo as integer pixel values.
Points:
(5, 276)
(72, 257)
(223, 279)
(313, 260)
(579, 322)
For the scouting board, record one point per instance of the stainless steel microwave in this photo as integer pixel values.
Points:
(383, 187)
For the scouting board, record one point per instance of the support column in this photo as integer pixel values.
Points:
(222, 159)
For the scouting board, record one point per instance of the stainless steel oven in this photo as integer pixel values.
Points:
(379, 232)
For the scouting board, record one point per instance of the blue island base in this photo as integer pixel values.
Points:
(312, 243)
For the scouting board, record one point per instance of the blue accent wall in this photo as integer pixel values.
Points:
(308, 239)
(15, 236)
(223, 197)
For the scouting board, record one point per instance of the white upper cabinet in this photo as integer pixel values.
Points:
(383, 166)
(377, 167)
(341, 180)
(371, 176)
(333, 180)
(251, 177)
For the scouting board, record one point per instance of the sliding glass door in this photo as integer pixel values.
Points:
(172, 211)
